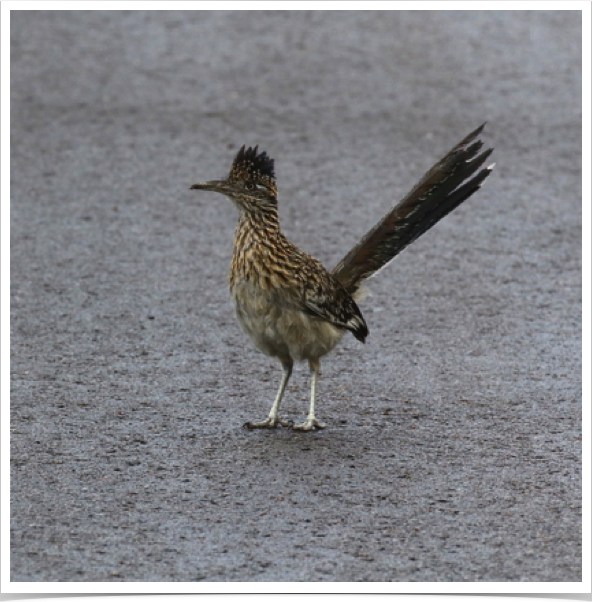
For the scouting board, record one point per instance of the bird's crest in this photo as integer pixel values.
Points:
(251, 165)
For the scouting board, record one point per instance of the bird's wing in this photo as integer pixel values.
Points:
(328, 300)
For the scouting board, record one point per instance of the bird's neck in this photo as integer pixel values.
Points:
(257, 239)
(254, 228)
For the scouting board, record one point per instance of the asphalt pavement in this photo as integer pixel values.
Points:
(453, 447)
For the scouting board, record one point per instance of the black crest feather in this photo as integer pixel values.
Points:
(250, 161)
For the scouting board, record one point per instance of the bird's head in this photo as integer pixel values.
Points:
(250, 183)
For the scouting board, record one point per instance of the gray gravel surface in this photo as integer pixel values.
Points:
(453, 447)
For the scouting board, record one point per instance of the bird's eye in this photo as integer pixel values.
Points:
(250, 186)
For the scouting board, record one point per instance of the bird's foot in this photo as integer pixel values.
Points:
(309, 424)
(269, 423)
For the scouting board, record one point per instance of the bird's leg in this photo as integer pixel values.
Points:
(311, 422)
(273, 419)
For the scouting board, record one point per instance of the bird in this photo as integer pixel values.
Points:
(290, 305)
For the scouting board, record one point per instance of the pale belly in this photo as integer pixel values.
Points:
(280, 331)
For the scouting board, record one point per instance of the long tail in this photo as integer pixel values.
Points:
(442, 189)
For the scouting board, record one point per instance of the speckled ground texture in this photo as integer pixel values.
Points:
(452, 451)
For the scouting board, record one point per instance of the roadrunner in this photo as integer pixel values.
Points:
(286, 301)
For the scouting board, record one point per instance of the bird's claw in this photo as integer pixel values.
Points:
(309, 424)
(269, 423)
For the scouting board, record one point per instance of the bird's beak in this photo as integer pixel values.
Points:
(213, 185)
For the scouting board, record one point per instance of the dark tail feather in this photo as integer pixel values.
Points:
(440, 191)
